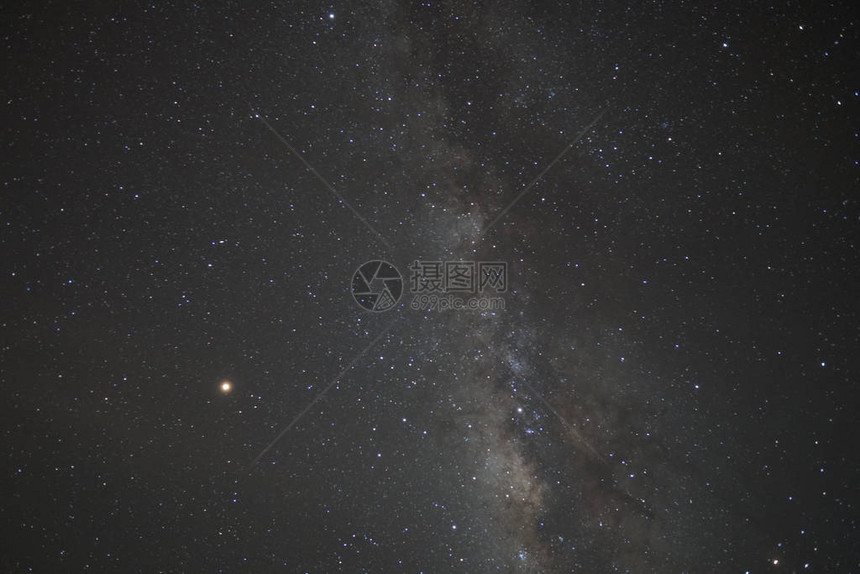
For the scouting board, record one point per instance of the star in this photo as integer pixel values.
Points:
(625, 319)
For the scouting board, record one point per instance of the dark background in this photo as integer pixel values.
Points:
(671, 387)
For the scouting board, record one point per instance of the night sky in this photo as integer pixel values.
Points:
(190, 385)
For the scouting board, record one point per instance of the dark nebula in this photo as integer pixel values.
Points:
(664, 378)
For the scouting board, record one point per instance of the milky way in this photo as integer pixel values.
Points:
(666, 382)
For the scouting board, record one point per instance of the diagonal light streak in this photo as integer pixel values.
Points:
(576, 434)
(322, 393)
(325, 182)
(527, 188)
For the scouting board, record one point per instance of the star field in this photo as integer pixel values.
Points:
(671, 385)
